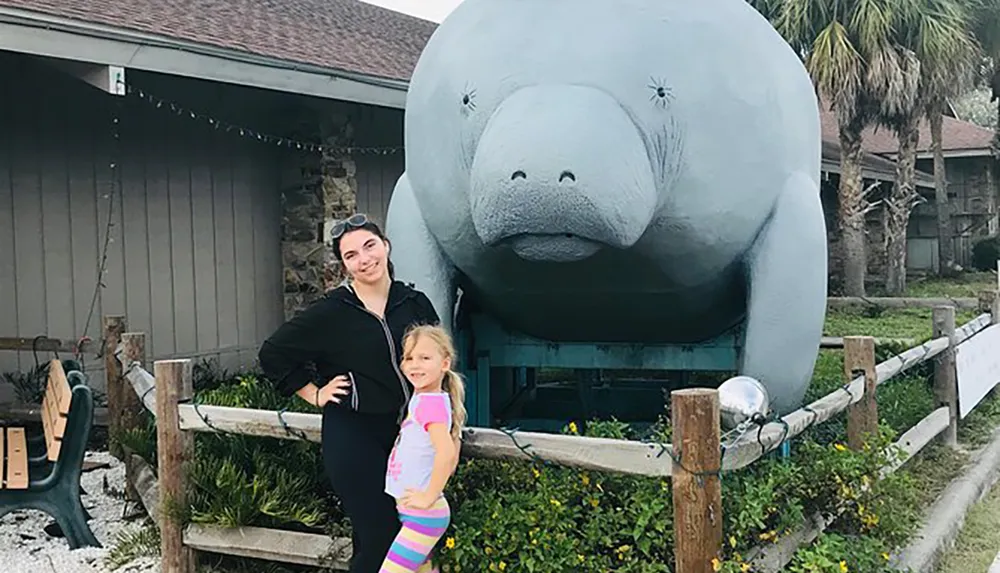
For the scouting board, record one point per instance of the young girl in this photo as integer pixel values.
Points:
(426, 451)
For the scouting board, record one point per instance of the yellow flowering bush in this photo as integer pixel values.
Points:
(828, 479)
(537, 517)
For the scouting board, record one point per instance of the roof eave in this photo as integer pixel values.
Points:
(39, 34)
(922, 180)
(947, 153)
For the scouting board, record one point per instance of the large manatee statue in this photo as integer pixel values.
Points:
(619, 170)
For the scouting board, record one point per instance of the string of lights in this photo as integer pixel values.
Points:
(248, 132)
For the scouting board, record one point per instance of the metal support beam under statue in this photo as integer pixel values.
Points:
(486, 348)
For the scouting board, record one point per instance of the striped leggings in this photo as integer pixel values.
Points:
(422, 528)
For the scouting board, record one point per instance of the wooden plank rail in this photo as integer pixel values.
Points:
(747, 449)
(142, 381)
(574, 451)
(840, 302)
(838, 341)
(271, 545)
(614, 455)
(33, 413)
(46, 344)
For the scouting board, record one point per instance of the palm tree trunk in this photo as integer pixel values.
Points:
(995, 152)
(899, 204)
(851, 214)
(946, 247)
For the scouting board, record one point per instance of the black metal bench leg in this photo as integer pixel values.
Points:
(72, 519)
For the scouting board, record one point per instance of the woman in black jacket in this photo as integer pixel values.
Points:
(352, 338)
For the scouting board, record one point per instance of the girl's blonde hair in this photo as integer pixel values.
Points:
(452, 383)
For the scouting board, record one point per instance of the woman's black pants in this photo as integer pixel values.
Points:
(356, 451)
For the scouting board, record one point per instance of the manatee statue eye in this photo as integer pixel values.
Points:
(662, 94)
(469, 100)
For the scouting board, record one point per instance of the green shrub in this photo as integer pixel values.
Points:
(986, 253)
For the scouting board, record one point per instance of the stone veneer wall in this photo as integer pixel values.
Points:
(325, 191)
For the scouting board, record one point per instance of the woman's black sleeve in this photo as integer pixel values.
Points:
(288, 356)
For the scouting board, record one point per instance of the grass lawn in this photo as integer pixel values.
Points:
(966, 285)
(892, 323)
(909, 322)
(979, 541)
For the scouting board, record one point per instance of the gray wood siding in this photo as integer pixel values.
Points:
(972, 201)
(377, 178)
(195, 255)
(377, 174)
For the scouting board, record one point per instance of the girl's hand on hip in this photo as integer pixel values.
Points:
(333, 390)
(417, 499)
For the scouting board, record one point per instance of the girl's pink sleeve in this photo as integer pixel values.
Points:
(433, 409)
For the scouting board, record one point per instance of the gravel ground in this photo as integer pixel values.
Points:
(26, 548)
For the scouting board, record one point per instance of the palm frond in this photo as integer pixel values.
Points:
(872, 21)
(836, 65)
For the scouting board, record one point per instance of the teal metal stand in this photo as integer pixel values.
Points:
(487, 349)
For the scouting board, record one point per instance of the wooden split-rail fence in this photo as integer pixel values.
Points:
(693, 461)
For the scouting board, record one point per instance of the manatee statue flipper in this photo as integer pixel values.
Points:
(786, 299)
(415, 254)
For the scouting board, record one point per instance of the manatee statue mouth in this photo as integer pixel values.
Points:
(556, 185)
(563, 248)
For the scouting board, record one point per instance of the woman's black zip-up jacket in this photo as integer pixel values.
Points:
(338, 335)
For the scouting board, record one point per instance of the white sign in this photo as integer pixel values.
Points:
(977, 362)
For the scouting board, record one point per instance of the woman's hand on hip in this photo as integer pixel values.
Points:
(332, 391)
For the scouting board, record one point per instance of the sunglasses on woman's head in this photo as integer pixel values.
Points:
(354, 221)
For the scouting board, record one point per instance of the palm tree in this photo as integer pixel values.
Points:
(985, 25)
(844, 44)
(931, 58)
(986, 28)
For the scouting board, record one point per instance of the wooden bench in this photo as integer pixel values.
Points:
(49, 480)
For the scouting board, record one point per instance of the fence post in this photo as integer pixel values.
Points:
(114, 326)
(175, 449)
(132, 409)
(945, 376)
(697, 488)
(862, 416)
(986, 299)
(995, 309)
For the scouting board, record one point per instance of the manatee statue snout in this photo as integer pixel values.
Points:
(536, 161)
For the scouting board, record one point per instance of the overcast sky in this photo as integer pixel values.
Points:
(433, 10)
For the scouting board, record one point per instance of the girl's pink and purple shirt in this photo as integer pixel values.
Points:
(412, 459)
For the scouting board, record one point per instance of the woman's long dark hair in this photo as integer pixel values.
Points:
(373, 228)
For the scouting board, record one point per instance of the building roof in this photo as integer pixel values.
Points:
(360, 38)
(957, 136)
(872, 166)
(346, 35)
